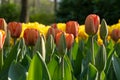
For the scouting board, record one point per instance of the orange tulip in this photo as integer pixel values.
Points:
(3, 24)
(2, 38)
(30, 36)
(92, 24)
(115, 35)
(15, 29)
(54, 25)
(53, 31)
(68, 37)
(72, 27)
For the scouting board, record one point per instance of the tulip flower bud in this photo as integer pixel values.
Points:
(69, 39)
(91, 24)
(61, 44)
(3, 24)
(30, 36)
(54, 25)
(2, 38)
(115, 35)
(72, 27)
(103, 30)
(53, 32)
(15, 29)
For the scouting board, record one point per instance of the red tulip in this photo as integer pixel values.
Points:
(3, 24)
(68, 37)
(30, 36)
(2, 38)
(115, 35)
(15, 29)
(72, 27)
(92, 24)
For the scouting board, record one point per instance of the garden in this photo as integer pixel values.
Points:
(61, 51)
(59, 40)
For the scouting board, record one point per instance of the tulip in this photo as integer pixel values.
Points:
(15, 29)
(68, 37)
(72, 27)
(54, 25)
(115, 35)
(30, 36)
(3, 24)
(69, 40)
(92, 24)
(53, 32)
(2, 38)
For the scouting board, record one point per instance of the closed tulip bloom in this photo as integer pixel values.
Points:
(92, 24)
(69, 40)
(2, 38)
(30, 36)
(72, 27)
(68, 37)
(53, 32)
(54, 25)
(15, 29)
(3, 24)
(115, 35)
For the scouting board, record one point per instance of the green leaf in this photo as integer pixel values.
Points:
(92, 72)
(11, 56)
(23, 51)
(52, 65)
(116, 66)
(38, 69)
(40, 46)
(58, 72)
(117, 48)
(84, 68)
(61, 48)
(17, 72)
(100, 60)
(74, 50)
(50, 46)
(103, 76)
(109, 59)
(96, 48)
(77, 63)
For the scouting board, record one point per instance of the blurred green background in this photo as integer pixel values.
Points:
(51, 11)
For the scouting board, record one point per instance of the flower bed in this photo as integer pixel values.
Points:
(61, 51)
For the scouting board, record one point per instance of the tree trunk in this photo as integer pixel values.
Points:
(55, 5)
(24, 17)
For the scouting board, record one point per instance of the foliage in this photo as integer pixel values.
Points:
(79, 9)
(48, 61)
(10, 12)
(42, 18)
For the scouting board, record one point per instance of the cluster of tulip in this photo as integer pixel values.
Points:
(63, 51)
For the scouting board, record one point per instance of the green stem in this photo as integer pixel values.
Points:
(105, 42)
(1, 59)
(32, 51)
(99, 75)
(62, 62)
(15, 39)
(92, 49)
